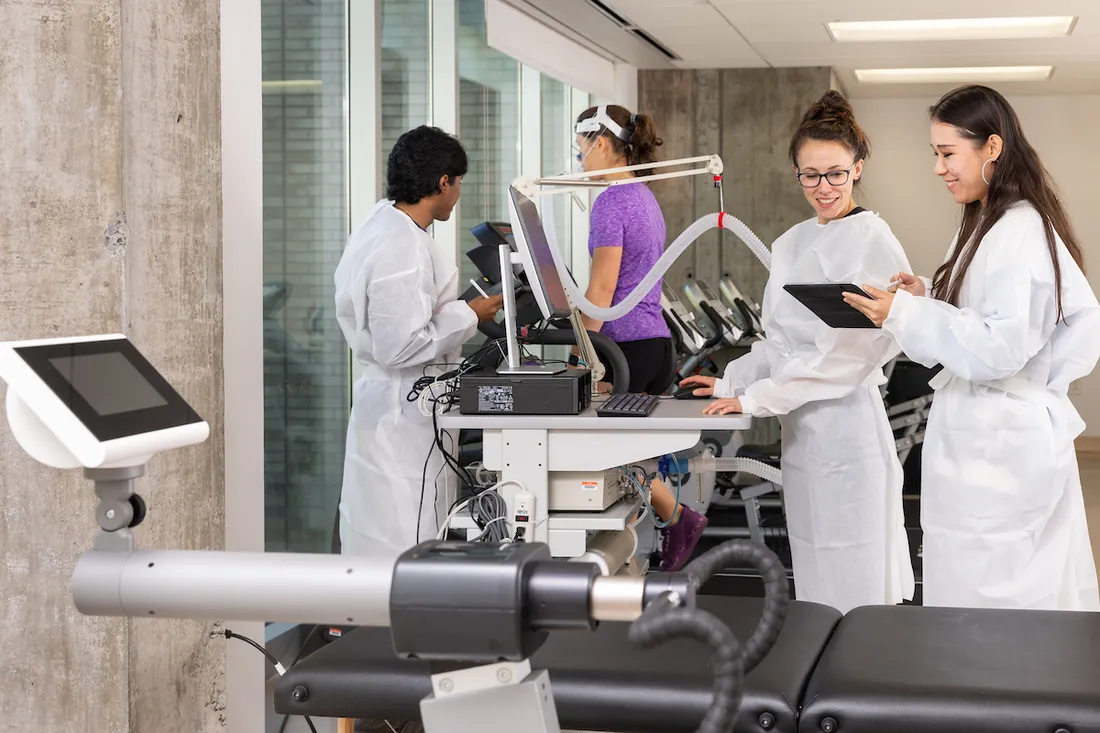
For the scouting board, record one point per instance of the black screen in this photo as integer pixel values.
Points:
(546, 273)
(110, 387)
(108, 382)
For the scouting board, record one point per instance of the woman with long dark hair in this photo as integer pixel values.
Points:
(1013, 321)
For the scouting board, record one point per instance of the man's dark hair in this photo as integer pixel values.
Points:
(419, 159)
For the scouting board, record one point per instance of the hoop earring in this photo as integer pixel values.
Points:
(987, 181)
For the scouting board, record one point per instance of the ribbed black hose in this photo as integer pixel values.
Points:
(608, 351)
(736, 553)
(662, 621)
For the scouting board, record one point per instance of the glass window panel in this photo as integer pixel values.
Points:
(488, 125)
(406, 70)
(557, 150)
(305, 228)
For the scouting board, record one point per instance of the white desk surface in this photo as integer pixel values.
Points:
(669, 414)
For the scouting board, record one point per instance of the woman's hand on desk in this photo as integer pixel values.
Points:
(704, 385)
(723, 407)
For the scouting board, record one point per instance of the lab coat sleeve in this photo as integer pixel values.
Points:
(1011, 322)
(845, 358)
(405, 326)
(1077, 346)
(746, 370)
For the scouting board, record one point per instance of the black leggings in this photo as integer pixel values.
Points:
(651, 367)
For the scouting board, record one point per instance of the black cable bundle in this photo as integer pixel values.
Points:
(475, 361)
(664, 620)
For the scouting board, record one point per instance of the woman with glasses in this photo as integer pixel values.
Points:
(841, 476)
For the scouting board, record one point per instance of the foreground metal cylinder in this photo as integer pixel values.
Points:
(610, 550)
(235, 586)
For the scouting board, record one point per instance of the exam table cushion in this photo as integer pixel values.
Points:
(600, 681)
(907, 669)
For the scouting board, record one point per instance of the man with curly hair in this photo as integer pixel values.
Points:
(398, 307)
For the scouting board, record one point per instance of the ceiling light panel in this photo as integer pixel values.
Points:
(951, 29)
(959, 75)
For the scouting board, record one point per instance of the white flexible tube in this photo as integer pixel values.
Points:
(771, 474)
(682, 242)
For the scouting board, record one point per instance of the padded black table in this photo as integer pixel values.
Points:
(905, 669)
(601, 682)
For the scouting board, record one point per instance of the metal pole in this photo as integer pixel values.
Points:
(242, 586)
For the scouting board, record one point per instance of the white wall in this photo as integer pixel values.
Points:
(900, 184)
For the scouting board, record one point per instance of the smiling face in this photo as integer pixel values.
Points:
(959, 162)
(829, 165)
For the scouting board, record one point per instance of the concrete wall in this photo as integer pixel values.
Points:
(900, 185)
(109, 117)
(748, 117)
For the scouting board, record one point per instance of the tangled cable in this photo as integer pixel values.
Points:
(666, 619)
(490, 512)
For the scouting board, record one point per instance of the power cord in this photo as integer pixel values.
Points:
(274, 662)
(305, 643)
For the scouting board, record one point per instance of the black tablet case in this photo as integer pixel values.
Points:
(826, 302)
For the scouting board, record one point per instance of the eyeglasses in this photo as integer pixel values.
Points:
(835, 178)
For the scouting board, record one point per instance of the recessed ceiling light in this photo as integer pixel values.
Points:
(960, 75)
(951, 29)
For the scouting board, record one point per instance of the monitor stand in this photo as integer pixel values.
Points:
(507, 284)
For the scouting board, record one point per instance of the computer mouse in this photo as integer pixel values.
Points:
(688, 393)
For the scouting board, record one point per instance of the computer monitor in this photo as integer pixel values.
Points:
(92, 402)
(534, 252)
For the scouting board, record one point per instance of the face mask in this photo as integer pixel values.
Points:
(578, 165)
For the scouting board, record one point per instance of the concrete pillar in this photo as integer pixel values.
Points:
(110, 221)
(748, 117)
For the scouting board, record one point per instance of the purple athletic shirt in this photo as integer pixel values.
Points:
(629, 216)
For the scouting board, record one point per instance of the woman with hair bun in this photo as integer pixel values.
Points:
(842, 479)
(626, 238)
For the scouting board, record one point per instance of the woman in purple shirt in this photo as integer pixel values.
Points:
(626, 238)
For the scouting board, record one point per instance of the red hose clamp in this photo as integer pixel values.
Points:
(721, 217)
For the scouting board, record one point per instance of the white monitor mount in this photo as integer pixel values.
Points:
(572, 184)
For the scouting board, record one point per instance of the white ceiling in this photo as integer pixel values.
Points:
(785, 33)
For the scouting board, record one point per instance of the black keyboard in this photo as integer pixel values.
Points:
(628, 405)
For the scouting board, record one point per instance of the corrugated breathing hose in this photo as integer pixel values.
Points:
(665, 619)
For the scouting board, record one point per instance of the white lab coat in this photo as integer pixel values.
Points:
(842, 480)
(397, 304)
(1001, 505)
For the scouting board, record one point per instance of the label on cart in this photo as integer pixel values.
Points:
(495, 399)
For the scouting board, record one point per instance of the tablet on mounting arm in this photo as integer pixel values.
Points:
(826, 301)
